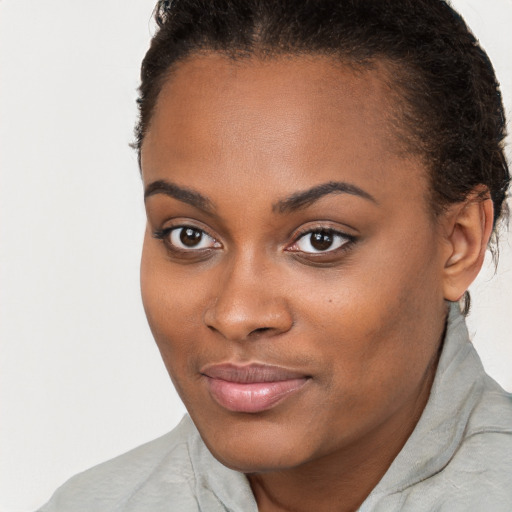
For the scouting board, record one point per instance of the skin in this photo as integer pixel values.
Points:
(364, 322)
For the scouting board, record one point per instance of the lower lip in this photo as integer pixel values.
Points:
(252, 397)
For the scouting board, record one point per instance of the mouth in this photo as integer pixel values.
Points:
(252, 388)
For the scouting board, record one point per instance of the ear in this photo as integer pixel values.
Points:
(468, 229)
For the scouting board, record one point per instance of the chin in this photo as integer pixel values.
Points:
(258, 459)
(252, 446)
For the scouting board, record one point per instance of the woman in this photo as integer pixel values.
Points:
(322, 180)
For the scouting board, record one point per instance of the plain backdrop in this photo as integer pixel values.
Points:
(80, 378)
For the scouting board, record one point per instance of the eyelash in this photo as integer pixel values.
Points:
(165, 235)
(348, 242)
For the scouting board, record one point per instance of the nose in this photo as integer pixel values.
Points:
(248, 304)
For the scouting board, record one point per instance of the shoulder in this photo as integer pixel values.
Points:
(150, 477)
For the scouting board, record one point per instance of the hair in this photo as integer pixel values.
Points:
(452, 112)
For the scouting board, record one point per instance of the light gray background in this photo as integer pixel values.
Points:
(80, 378)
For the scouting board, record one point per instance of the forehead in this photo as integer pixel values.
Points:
(258, 119)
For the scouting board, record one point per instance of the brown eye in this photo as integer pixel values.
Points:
(190, 237)
(320, 241)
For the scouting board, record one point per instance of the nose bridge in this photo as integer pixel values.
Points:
(248, 300)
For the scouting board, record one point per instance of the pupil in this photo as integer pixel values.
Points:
(190, 237)
(321, 240)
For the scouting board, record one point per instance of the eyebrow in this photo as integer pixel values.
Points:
(301, 200)
(183, 194)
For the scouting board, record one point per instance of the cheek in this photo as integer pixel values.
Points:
(172, 306)
(374, 322)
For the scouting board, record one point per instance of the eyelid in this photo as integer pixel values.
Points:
(312, 228)
(164, 234)
(174, 235)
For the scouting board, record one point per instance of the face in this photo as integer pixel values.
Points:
(291, 271)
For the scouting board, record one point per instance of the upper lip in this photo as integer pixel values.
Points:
(251, 373)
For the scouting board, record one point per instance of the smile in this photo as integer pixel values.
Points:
(252, 388)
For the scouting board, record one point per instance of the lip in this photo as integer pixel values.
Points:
(251, 388)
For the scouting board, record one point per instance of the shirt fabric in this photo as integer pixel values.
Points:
(458, 458)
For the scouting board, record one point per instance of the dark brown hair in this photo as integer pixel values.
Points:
(452, 108)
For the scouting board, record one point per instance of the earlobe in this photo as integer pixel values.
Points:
(469, 227)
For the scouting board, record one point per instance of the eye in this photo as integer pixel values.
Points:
(320, 241)
(186, 238)
(190, 238)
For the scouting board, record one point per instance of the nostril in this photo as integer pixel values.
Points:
(260, 330)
